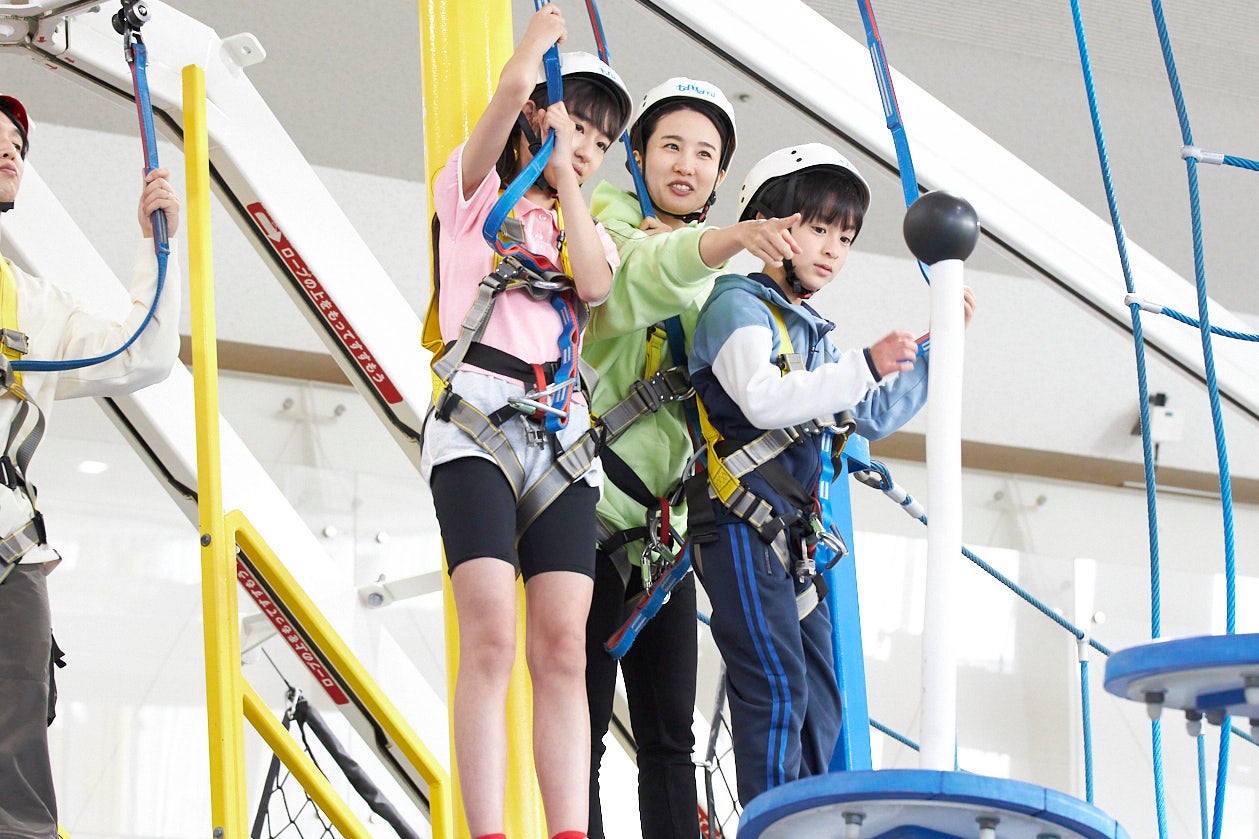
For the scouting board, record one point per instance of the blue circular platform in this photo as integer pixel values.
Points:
(920, 804)
(1211, 675)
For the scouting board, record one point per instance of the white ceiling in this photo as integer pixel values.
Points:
(344, 82)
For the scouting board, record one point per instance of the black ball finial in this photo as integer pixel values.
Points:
(941, 225)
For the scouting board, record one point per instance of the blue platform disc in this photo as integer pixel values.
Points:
(1207, 674)
(920, 804)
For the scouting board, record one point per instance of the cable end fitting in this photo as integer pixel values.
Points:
(1082, 648)
(1195, 153)
(1145, 305)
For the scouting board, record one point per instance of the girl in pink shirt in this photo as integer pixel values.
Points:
(516, 357)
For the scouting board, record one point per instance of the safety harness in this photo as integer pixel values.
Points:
(16, 455)
(729, 461)
(659, 387)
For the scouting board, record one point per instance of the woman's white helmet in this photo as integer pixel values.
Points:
(590, 66)
(791, 161)
(681, 89)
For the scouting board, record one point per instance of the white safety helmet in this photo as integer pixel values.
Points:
(791, 161)
(591, 67)
(711, 101)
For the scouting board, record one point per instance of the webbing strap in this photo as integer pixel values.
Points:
(17, 544)
(645, 396)
(568, 467)
(725, 470)
(453, 408)
(12, 340)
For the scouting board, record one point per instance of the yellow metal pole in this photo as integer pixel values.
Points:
(303, 768)
(463, 46)
(223, 679)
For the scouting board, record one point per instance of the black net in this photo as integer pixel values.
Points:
(720, 812)
(286, 811)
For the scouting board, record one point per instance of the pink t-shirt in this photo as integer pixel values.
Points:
(522, 326)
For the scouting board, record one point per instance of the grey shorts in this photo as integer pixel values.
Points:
(28, 806)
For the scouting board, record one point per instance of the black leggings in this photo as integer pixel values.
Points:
(477, 514)
(659, 675)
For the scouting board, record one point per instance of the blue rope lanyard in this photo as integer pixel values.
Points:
(891, 111)
(137, 57)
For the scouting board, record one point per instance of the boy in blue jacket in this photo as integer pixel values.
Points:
(771, 381)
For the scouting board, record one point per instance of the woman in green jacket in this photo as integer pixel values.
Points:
(682, 139)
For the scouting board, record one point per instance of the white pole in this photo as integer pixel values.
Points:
(944, 535)
(942, 230)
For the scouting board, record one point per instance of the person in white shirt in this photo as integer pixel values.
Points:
(40, 322)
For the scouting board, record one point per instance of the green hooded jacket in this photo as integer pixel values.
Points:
(660, 276)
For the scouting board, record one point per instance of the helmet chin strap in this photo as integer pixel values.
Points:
(698, 215)
(534, 145)
(793, 281)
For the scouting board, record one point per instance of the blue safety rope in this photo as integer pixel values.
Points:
(898, 737)
(137, 57)
(1147, 445)
(1086, 709)
(891, 111)
(569, 337)
(1202, 786)
(1241, 162)
(1188, 320)
(1213, 391)
(636, 174)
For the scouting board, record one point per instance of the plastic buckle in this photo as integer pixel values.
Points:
(40, 529)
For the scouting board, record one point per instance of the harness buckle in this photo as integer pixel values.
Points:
(535, 433)
(8, 474)
(14, 340)
(6, 374)
(445, 402)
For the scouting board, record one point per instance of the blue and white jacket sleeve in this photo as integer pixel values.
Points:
(743, 366)
(899, 397)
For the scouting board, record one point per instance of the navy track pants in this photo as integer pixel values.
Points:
(780, 674)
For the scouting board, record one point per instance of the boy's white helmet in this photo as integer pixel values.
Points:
(590, 66)
(712, 101)
(790, 161)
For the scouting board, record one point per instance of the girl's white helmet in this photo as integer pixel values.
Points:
(591, 67)
(790, 161)
(681, 89)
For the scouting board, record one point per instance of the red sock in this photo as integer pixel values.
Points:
(493, 836)
(570, 834)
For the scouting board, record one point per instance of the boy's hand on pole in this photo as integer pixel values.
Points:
(894, 353)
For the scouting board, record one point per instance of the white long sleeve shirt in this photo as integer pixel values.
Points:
(58, 327)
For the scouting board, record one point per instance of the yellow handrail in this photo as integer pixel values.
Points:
(228, 697)
(223, 678)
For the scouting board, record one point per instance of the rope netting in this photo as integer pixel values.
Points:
(879, 476)
(286, 810)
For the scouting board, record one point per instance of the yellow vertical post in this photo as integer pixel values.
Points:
(223, 679)
(463, 46)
